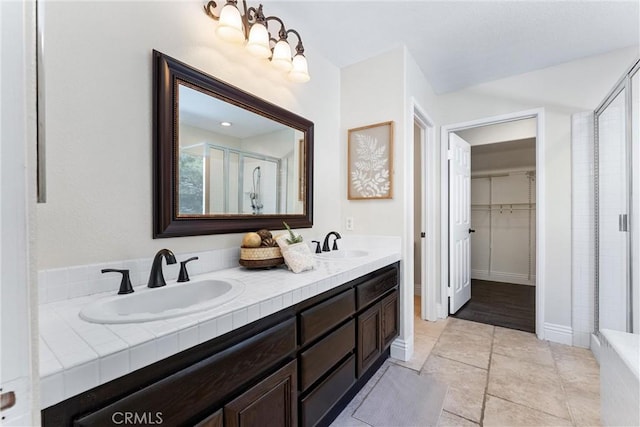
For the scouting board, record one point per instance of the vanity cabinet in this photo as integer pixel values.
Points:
(297, 367)
(271, 402)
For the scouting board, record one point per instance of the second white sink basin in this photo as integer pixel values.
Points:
(172, 300)
(343, 254)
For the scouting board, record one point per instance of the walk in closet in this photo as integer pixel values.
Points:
(503, 209)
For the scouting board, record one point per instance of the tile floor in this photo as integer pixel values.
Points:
(498, 377)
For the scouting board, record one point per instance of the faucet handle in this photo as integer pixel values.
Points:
(125, 283)
(183, 276)
(335, 241)
(318, 251)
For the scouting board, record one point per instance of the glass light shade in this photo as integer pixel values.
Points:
(300, 70)
(258, 44)
(230, 26)
(282, 56)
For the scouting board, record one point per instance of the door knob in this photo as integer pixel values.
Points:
(7, 400)
(471, 230)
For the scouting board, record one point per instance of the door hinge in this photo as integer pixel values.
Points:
(449, 291)
(449, 154)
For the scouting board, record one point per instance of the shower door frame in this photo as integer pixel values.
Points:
(624, 84)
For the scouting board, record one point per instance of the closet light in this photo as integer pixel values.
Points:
(251, 25)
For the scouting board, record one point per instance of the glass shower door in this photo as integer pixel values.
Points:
(635, 202)
(612, 215)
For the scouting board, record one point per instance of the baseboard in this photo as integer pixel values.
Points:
(558, 333)
(417, 289)
(401, 349)
(498, 276)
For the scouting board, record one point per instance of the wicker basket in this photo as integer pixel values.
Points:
(261, 257)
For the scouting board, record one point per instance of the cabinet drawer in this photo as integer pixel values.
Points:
(317, 360)
(374, 288)
(191, 392)
(324, 316)
(319, 402)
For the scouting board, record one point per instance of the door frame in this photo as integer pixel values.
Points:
(541, 200)
(429, 245)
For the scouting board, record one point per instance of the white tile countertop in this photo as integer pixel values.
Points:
(76, 355)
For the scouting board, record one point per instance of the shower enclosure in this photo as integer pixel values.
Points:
(617, 197)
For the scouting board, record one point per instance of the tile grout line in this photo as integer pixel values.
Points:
(486, 387)
(564, 390)
(459, 416)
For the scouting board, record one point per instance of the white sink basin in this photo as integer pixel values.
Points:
(172, 300)
(343, 254)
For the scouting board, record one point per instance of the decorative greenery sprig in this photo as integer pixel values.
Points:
(294, 239)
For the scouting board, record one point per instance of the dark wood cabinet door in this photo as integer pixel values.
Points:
(390, 318)
(271, 402)
(213, 420)
(369, 338)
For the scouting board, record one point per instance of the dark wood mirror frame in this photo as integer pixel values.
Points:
(167, 72)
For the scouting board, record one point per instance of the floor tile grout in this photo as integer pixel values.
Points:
(564, 390)
(501, 347)
(486, 386)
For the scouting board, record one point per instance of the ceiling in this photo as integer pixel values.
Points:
(207, 112)
(462, 43)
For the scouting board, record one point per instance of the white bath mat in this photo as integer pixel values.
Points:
(403, 398)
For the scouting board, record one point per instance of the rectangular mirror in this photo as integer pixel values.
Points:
(224, 160)
(232, 161)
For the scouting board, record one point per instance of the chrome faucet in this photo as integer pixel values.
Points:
(156, 278)
(325, 245)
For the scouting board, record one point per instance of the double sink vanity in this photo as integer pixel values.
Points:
(288, 349)
(232, 346)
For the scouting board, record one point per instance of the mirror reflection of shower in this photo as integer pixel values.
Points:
(222, 180)
(256, 204)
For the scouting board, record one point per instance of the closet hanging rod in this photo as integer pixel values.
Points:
(501, 204)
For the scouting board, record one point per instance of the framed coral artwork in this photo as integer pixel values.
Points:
(370, 162)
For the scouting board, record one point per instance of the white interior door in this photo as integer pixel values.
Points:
(459, 222)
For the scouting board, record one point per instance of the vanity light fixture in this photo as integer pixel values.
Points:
(252, 26)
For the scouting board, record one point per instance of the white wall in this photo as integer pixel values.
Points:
(582, 227)
(18, 297)
(99, 123)
(380, 89)
(372, 92)
(561, 90)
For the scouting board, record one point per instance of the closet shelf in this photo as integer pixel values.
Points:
(504, 207)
